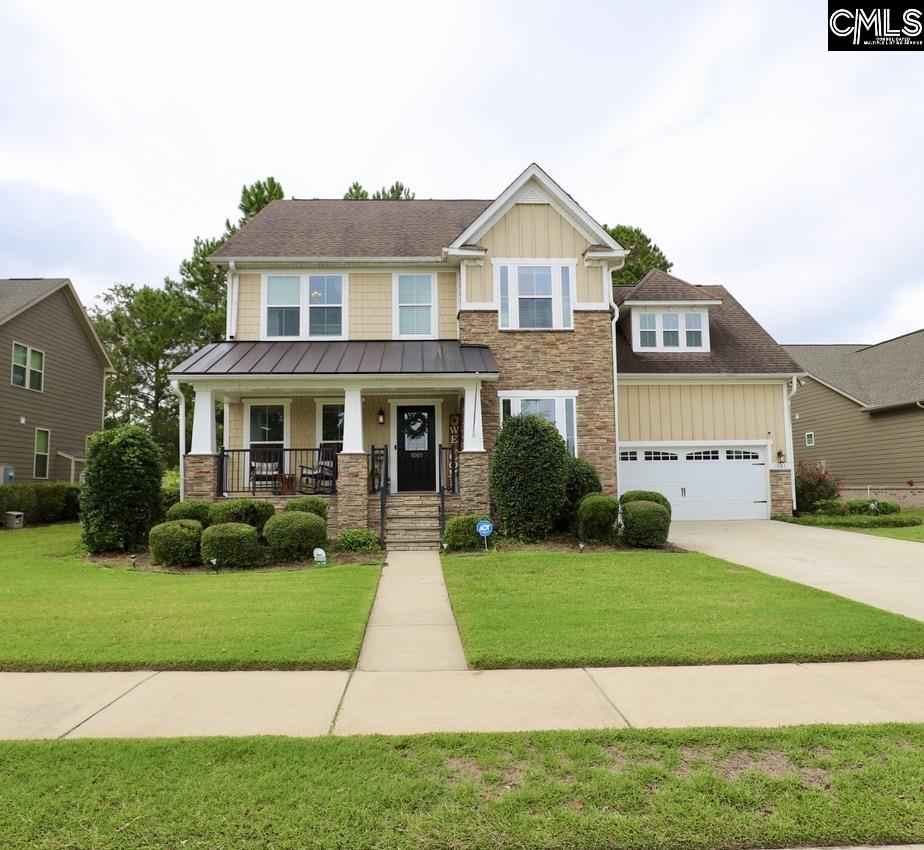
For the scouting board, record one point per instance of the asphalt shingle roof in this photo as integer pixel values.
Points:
(18, 293)
(661, 286)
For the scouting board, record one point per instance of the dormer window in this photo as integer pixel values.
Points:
(670, 329)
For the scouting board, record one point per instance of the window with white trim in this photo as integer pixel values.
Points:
(704, 454)
(42, 446)
(535, 294)
(672, 329)
(809, 438)
(325, 305)
(415, 306)
(560, 410)
(28, 368)
(741, 454)
(283, 305)
(310, 305)
(332, 424)
(658, 455)
(628, 455)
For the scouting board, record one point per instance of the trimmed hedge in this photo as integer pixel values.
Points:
(460, 532)
(580, 479)
(293, 535)
(854, 520)
(308, 505)
(873, 507)
(596, 517)
(50, 502)
(646, 496)
(832, 507)
(231, 544)
(253, 512)
(175, 543)
(196, 509)
(645, 525)
(358, 540)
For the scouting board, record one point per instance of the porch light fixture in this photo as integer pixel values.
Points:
(381, 416)
(780, 457)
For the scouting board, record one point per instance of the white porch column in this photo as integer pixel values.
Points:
(203, 432)
(473, 436)
(353, 421)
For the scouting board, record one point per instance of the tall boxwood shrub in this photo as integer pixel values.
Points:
(528, 476)
(581, 479)
(120, 499)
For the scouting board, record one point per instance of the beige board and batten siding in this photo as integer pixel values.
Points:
(668, 411)
(71, 402)
(863, 449)
(248, 307)
(533, 230)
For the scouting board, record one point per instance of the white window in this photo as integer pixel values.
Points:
(658, 455)
(673, 329)
(283, 305)
(535, 294)
(628, 455)
(558, 407)
(42, 443)
(28, 368)
(741, 454)
(415, 306)
(809, 438)
(705, 454)
(325, 305)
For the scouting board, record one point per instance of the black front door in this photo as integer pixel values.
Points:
(416, 440)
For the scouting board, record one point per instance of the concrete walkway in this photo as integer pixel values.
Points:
(411, 626)
(879, 571)
(313, 703)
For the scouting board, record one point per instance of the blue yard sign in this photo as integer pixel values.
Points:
(485, 528)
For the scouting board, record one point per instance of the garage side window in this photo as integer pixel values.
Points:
(560, 410)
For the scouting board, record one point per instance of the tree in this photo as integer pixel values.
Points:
(256, 196)
(396, 192)
(356, 193)
(644, 255)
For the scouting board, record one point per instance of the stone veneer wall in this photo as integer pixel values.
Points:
(907, 497)
(200, 477)
(580, 360)
(352, 490)
(474, 487)
(781, 491)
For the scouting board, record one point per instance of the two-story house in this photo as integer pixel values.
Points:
(374, 349)
(53, 371)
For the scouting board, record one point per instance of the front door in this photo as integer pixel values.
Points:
(416, 441)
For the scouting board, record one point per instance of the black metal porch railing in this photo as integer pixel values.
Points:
(378, 483)
(448, 470)
(275, 471)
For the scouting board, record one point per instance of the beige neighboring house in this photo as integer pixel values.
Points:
(53, 371)
(373, 349)
(861, 415)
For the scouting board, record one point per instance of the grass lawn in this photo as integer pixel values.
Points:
(821, 785)
(62, 612)
(915, 533)
(536, 608)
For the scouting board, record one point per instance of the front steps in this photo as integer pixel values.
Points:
(412, 521)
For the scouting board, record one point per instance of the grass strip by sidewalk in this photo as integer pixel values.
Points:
(914, 533)
(536, 608)
(589, 790)
(62, 612)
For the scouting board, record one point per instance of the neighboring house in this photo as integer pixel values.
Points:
(364, 335)
(860, 415)
(52, 379)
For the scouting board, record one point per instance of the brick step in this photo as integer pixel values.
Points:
(416, 535)
(413, 547)
(412, 513)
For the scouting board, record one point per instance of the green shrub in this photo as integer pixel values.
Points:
(872, 506)
(51, 502)
(175, 543)
(120, 499)
(308, 505)
(596, 517)
(170, 488)
(197, 509)
(899, 520)
(460, 532)
(528, 476)
(19, 497)
(813, 485)
(71, 502)
(580, 479)
(231, 544)
(358, 540)
(646, 496)
(645, 524)
(832, 507)
(293, 535)
(253, 512)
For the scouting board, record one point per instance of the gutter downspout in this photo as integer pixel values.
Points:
(608, 282)
(231, 301)
(793, 387)
(175, 388)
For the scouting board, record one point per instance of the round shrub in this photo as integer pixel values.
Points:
(308, 505)
(231, 544)
(120, 499)
(460, 532)
(645, 524)
(870, 506)
(358, 540)
(813, 484)
(596, 517)
(528, 476)
(253, 512)
(293, 535)
(645, 496)
(175, 543)
(580, 479)
(197, 509)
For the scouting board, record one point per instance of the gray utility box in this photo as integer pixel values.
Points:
(7, 474)
(13, 519)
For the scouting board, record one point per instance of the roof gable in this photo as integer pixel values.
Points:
(659, 286)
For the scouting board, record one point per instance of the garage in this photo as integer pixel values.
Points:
(702, 480)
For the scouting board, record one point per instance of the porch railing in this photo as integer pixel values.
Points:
(448, 470)
(378, 483)
(268, 470)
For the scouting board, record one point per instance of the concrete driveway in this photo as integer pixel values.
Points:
(879, 571)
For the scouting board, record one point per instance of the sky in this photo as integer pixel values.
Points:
(726, 130)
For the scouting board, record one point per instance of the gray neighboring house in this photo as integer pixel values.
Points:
(53, 371)
(861, 413)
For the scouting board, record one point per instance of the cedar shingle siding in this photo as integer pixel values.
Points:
(71, 405)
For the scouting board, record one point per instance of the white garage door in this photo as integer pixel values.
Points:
(701, 482)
